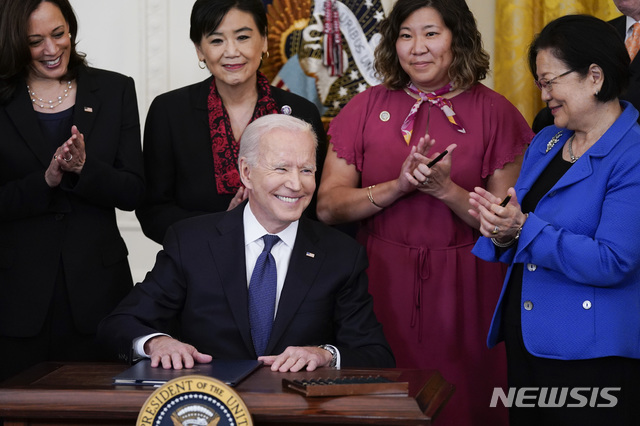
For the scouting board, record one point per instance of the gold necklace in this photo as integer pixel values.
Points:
(413, 95)
(51, 104)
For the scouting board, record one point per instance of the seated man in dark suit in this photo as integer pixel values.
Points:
(318, 309)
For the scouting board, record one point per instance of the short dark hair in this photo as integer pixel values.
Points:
(580, 41)
(470, 61)
(207, 15)
(15, 55)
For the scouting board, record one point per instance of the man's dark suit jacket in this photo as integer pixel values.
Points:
(178, 158)
(632, 94)
(200, 278)
(73, 225)
(633, 91)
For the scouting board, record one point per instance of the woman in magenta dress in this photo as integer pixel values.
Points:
(434, 298)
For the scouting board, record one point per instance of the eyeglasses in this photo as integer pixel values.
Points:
(544, 84)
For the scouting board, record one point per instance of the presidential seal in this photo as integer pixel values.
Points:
(194, 401)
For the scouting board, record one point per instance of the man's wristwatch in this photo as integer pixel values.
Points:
(334, 354)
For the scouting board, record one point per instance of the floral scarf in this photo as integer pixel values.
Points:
(436, 99)
(224, 146)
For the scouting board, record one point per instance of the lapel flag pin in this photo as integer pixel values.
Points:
(311, 255)
(286, 110)
(88, 109)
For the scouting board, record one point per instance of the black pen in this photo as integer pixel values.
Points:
(438, 158)
(505, 201)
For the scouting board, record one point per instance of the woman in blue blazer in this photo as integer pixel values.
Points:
(569, 311)
(70, 154)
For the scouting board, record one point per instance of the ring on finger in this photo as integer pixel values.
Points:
(68, 159)
(495, 230)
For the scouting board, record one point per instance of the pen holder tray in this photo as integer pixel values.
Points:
(350, 385)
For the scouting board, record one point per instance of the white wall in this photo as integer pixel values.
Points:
(149, 41)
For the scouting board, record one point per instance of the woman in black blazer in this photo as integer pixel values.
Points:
(70, 155)
(191, 134)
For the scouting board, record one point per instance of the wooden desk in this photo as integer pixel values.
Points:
(82, 394)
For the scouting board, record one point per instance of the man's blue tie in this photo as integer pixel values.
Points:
(262, 295)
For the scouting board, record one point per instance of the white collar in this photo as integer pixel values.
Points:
(253, 230)
(629, 23)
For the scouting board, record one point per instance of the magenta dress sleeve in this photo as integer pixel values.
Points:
(346, 130)
(508, 135)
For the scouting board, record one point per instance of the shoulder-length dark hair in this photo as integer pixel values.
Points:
(15, 55)
(207, 15)
(580, 41)
(470, 61)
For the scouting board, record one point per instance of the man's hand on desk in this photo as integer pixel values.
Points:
(172, 353)
(296, 358)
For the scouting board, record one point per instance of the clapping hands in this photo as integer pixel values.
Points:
(416, 173)
(69, 157)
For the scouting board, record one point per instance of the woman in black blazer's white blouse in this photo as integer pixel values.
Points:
(192, 133)
(70, 155)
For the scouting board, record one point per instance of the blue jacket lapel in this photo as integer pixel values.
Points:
(584, 167)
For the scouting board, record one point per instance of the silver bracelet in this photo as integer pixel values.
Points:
(510, 242)
(503, 245)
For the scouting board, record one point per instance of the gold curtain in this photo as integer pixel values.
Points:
(517, 21)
